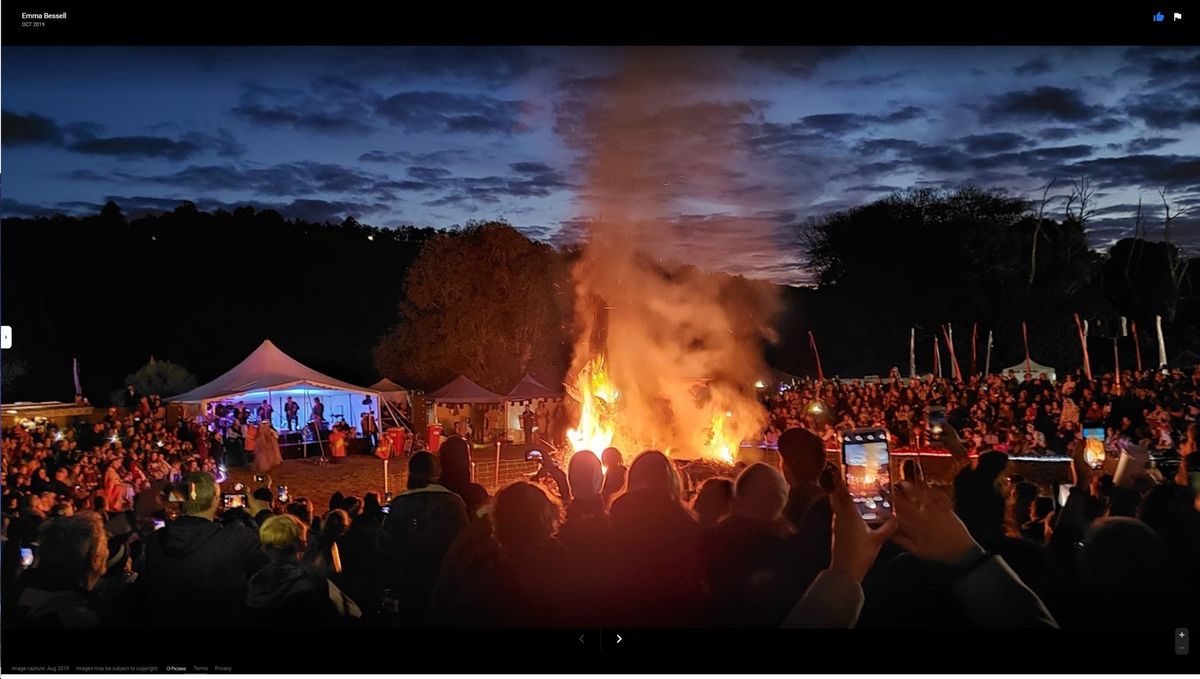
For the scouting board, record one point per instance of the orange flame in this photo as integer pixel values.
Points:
(597, 397)
(720, 445)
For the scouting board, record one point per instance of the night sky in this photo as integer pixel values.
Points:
(439, 136)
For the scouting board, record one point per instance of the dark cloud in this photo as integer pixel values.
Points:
(15, 208)
(1165, 110)
(452, 112)
(1161, 65)
(1058, 133)
(1143, 144)
(874, 80)
(1037, 66)
(1041, 103)
(329, 106)
(1108, 124)
(994, 143)
(304, 178)
(874, 188)
(83, 137)
(429, 158)
(1144, 170)
(843, 123)
(29, 129)
(428, 174)
(870, 147)
(137, 147)
(533, 180)
(797, 62)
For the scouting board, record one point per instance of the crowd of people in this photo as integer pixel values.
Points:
(125, 526)
(999, 412)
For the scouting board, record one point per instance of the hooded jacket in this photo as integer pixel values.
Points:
(423, 523)
(197, 571)
(287, 595)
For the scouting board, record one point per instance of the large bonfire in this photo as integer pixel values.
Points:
(667, 354)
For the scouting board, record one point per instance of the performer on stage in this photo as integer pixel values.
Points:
(267, 455)
(370, 430)
(265, 411)
(291, 411)
(318, 414)
(338, 440)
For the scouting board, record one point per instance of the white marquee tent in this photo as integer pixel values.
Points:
(1033, 368)
(268, 374)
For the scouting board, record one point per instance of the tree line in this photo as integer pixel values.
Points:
(421, 305)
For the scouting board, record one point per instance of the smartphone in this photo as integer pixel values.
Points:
(26, 557)
(159, 523)
(533, 455)
(260, 478)
(282, 494)
(865, 463)
(935, 418)
(233, 500)
(386, 509)
(1093, 446)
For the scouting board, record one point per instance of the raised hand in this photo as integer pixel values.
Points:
(928, 527)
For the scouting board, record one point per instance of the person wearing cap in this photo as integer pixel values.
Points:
(198, 565)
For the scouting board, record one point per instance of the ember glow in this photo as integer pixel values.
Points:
(597, 397)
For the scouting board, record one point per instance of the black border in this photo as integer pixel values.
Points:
(1108, 650)
(833, 23)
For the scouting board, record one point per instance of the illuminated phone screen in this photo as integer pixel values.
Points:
(865, 461)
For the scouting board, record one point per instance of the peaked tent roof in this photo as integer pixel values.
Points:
(529, 388)
(387, 385)
(463, 390)
(266, 368)
(1034, 367)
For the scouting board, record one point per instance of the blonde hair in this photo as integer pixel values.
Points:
(283, 536)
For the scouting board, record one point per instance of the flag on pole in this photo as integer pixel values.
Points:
(75, 370)
(987, 362)
(1137, 346)
(912, 352)
(1025, 336)
(948, 333)
(937, 359)
(1081, 326)
(1117, 364)
(1162, 345)
(816, 354)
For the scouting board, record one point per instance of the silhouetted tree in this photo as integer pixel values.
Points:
(485, 302)
(162, 377)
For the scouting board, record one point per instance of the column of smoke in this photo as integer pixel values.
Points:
(669, 326)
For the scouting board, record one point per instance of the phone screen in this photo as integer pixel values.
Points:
(936, 415)
(259, 478)
(26, 557)
(159, 523)
(1064, 492)
(282, 494)
(1093, 446)
(233, 500)
(865, 461)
